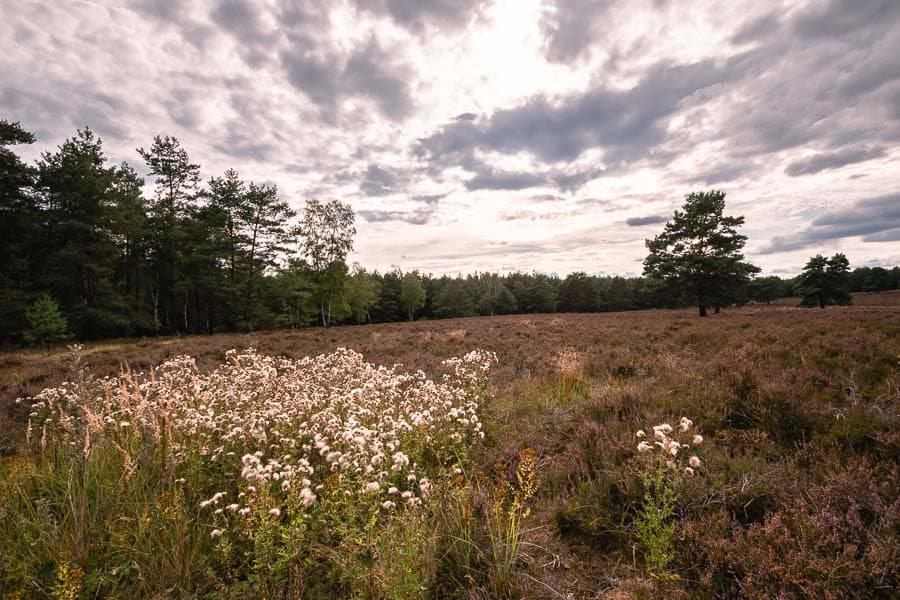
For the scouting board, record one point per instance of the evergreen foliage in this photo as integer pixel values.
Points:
(45, 323)
(699, 252)
(825, 281)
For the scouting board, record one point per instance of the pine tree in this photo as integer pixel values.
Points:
(698, 252)
(825, 281)
(46, 324)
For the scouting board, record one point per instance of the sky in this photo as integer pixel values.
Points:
(504, 135)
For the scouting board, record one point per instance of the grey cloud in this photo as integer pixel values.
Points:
(570, 31)
(374, 72)
(890, 235)
(533, 215)
(833, 160)
(876, 219)
(239, 144)
(378, 182)
(724, 172)
(70, 106)
(466, 116)
(370, 72)
(627, 125)
(504, 180)
(841, 17)
(164, 10)
(415, 217)
(240, 18)
(756, 29)
(417, 14)
(430, 199)
(648, 220)
(842, 70)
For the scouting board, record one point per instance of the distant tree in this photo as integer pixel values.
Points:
(264, 219)
(453, 297)
(296, 294)
(362, 294)
(412, 294)
(767, 289)
(825, 281)
(327, 231)
(578, 293)
(176, 181)
(19, 231)
(495, 297)
(698, 252)
(858, 278)
(540, 294)
(79, 198)
(388, 308)
(879, 280)
(46, 324)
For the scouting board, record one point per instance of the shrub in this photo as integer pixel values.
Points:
(277, 476)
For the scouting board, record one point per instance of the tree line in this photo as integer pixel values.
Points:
(83, 252)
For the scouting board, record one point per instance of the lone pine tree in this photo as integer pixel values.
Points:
(698, 252)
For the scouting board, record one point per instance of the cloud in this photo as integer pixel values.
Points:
(724, 172)
(414, 217)
(370, 72)
(417, 15)
(834, 160)
(842, 17)
(430, 199)
(876, 219)
(569, 29)
(378, 182)
(627, 124)
(490, 179)
(756, 30)
(648, 220)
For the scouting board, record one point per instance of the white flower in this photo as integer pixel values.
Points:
(644, 447)
(215, 533)
(372, 486)
(698, 439)
(275, 512)
(689, 471)
(694, 462)
(308, 497)
(685, 424)
(640, 434)
(387, 504)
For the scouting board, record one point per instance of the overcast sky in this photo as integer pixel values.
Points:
(554, 135)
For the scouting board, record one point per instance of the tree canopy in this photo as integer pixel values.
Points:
(825, 281)
(698, 254)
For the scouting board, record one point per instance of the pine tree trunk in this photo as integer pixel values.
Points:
(702, 310)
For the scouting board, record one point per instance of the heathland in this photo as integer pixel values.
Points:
(749, 454)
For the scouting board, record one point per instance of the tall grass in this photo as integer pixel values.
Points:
(265, 477)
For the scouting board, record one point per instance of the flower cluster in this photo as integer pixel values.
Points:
(570, 362)
(281, 429)
(665, 441)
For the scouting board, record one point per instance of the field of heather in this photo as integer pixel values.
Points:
(750, 454)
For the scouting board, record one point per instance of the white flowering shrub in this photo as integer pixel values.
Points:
(271, 448)
(667, 458)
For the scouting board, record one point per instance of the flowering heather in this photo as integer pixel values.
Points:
(288, 427)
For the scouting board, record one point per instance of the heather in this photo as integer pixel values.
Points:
(750, 454)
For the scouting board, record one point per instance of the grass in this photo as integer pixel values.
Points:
(797, 494)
